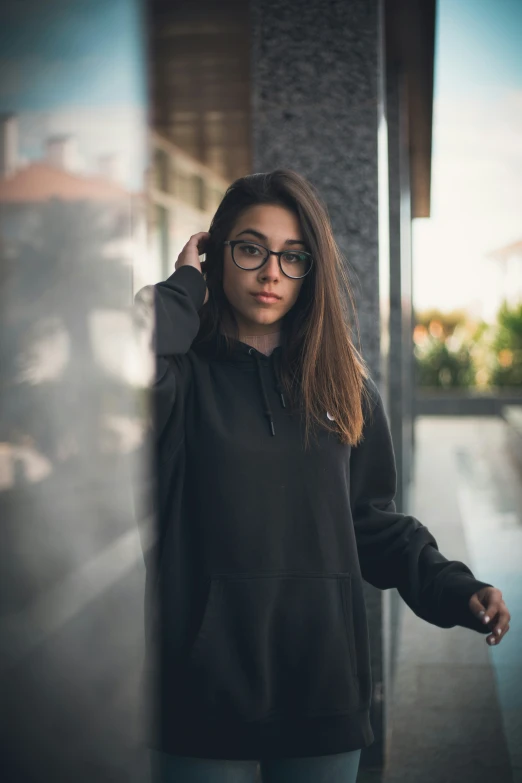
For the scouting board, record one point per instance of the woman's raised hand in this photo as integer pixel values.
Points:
(195, 247)
(190, 254)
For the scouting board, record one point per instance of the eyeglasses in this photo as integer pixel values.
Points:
(250, 255)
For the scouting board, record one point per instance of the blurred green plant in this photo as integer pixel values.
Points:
(454, 350)
(442, 351)
(440, 323)
(507, 347)
(437, 365)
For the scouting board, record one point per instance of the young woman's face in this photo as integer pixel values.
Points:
(277, 228)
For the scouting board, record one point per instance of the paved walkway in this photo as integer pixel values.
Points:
(457, 715)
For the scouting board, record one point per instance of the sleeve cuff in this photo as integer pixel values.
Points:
(192, 280)
(455, 602)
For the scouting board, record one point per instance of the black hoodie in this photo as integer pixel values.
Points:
(263, 546)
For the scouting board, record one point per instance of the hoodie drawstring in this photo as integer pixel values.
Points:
(277, 370)
(268, 410)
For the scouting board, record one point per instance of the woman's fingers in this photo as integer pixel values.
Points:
(196, 245)
(202, 241)
(499, 625)
(476, 605)
(489, 606)
(199, 241)
(486, 603)
(498, 634)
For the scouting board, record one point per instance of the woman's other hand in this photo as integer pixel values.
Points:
(190, 254)
(488, 605)
(194, 248)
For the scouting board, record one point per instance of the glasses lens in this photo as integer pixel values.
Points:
(296, 264)
(248, 255)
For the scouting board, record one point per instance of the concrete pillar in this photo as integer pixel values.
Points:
(317, 107)
(401, 316)
(400, 355)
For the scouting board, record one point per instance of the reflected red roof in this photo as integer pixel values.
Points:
(41, 182)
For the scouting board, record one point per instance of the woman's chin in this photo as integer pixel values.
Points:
(252, 323)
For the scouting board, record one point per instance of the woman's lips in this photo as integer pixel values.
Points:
(266, 298)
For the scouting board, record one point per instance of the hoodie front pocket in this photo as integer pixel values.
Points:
(275, 644)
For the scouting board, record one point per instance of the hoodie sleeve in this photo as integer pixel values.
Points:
(176, 302)
(396, 550)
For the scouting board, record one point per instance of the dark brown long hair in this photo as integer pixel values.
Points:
(321, 369)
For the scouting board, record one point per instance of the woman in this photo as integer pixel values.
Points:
(275, 489)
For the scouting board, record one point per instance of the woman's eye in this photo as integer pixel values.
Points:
(250, 249)
(291, 257)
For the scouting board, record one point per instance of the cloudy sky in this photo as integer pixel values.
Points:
(88, 56)
(76, 67)
(477, 155)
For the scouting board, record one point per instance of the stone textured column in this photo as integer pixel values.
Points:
(316, 91)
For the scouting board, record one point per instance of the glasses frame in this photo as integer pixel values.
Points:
(233, 242)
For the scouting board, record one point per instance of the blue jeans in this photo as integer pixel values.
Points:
(339, 768)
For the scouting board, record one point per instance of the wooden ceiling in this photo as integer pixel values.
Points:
(200, 72)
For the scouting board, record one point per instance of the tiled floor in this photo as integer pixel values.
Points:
(490, 500)
(458, 703)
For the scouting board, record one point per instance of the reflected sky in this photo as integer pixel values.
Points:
(80, 78)
(477, 157)
(478, 46)
(81, 60)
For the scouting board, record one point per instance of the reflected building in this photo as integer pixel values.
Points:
(200, 115)
(8, 145)
(183, 195)
(72, 233)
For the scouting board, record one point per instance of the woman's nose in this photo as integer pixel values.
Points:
(270, 268)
